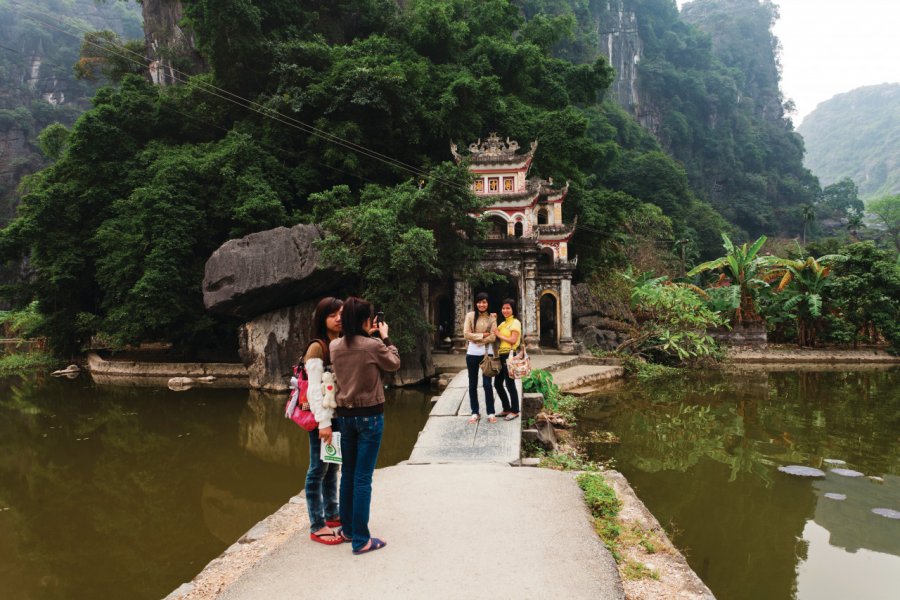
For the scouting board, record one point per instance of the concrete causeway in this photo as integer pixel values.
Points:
(448, 437)
(460, 522)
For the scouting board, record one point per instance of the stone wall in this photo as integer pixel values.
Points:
(744, 334)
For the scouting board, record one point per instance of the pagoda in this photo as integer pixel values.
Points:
(526, 244)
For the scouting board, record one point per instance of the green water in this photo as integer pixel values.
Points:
(703, 452)
(112, 492)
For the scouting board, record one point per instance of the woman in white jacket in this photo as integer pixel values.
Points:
(322, 477)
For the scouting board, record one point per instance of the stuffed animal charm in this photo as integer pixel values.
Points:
(329, 390)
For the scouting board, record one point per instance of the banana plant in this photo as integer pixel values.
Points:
(742, 270)
(804, 280)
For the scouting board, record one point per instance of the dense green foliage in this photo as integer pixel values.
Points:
(673, 321)
(857, 135)
(341, 113)
(151, 180)
(849, 296)
(741, 269)
(37, 85)
(394, 238)
(887, 214)
(865, 289)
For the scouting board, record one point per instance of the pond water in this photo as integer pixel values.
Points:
(110, 492)
(703, 452)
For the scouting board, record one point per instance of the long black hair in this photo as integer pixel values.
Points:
(478, 298)
(512, 305)
(356, 312)
(326, 307)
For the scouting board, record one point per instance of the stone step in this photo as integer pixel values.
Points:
(580, 376)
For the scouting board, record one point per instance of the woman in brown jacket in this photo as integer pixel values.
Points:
(477, 330)
(358, 361)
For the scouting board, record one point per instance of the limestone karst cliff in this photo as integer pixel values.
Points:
(170, 45)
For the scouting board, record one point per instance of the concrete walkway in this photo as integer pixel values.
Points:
(448, 437)
(453, 531)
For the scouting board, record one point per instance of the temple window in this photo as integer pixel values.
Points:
(493, 184)
(542, 217)
(519, 229)
(497, 230)
(479, 185)
(508, 184)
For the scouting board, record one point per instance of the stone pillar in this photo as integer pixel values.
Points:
(462, 303)
(529, 309)
(566, 343)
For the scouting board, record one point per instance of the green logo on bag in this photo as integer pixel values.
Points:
(330, 450)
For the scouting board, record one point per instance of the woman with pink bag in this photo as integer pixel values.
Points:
(322, 477)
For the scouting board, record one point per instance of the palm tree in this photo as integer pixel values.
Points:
(808, 212)
(741, 266)
(854, 224)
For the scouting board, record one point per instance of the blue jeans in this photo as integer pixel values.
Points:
(321, 485)
(360, 441)
(472, 365)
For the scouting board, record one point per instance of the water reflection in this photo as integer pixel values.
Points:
(703, 452)
(127, 492)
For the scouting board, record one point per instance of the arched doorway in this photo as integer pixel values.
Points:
(549, 320)
(507, 287)
(519, 229)
(443, 321)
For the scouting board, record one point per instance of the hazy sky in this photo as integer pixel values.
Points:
(833, 46)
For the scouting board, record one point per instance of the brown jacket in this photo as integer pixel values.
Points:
(474, 328)
(357, 368)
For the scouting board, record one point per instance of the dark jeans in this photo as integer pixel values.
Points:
(472, 363)
(321, 485)
(503, 379)
(360, 441)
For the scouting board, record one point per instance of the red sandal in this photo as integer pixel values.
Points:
(333, 523)
(332, 538)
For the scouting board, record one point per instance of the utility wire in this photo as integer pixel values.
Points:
(212, 124)
(118, 50)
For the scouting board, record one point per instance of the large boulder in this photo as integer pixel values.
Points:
(265, 271)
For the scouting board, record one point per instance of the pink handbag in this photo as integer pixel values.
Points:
(298, 404)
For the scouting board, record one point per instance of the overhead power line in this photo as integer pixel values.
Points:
(181, 77)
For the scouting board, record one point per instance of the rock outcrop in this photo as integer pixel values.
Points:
(265, 271)
(599, 324)
(271, 343)
(273, 280)
(621, 44)
(169, 42)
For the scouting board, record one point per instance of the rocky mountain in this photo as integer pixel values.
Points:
(41, 43)
(857, 135)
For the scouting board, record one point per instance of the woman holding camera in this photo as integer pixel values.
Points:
(477, 329)
(358, 359)
(322, 477)
(509, 332)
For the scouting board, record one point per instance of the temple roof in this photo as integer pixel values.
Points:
(494, 151)
(553, 233)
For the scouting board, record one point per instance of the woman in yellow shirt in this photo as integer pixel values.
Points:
(509, 332)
